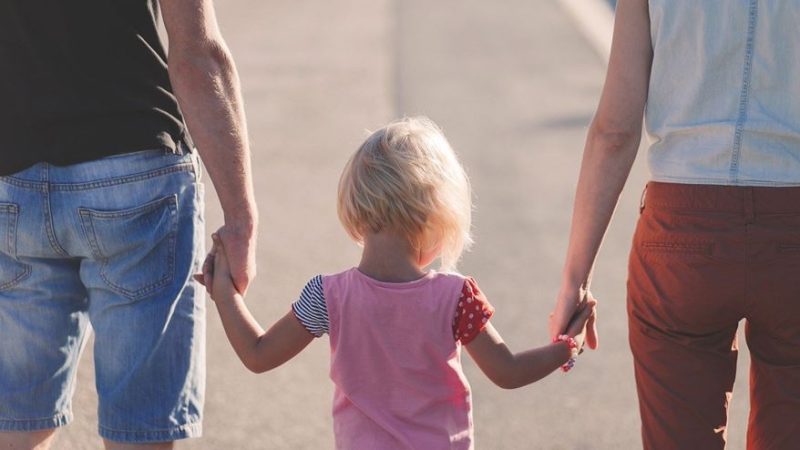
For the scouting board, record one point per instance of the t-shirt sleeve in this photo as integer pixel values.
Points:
(310, 309)
(473, 312)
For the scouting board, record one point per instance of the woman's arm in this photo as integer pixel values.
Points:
(611, 146)
(259, 351)
(512, 370)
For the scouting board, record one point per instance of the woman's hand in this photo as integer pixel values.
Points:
(581, 326)
(566, 308)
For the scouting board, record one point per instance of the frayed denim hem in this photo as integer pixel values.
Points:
(191, 430)
(46, 423)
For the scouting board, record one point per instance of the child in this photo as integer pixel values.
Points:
(396, 329)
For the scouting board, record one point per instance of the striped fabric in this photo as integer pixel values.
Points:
(310, 308)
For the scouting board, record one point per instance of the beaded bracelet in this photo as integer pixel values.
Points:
(573, 351)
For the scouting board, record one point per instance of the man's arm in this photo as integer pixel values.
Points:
(206, 84)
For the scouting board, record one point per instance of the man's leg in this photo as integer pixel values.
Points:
(111, 445)
(31, 440)
(41, 440)
(43, 320)
(145, 238)
(42, 332)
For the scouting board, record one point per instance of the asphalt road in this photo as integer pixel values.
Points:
(514, 86)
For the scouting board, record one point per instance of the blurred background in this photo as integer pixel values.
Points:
(514, 85)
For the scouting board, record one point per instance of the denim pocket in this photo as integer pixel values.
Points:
(136, 246)
(11, 270)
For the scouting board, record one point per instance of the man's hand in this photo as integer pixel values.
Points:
(565, 309)
(239, 244)
(244, 253)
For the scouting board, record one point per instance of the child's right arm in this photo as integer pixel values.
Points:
(512, 370)
(259, 351)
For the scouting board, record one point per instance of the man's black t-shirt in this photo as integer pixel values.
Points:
(81, 80)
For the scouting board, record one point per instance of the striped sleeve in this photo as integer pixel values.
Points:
(310, 309)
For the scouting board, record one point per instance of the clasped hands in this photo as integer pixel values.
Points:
(568, 307)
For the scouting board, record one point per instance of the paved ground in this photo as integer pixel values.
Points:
(514, 85)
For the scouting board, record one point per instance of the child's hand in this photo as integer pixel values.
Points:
(206, 275)
(216, 273)
(577, 325)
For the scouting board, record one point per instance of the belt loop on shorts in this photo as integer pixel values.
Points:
(641, 199)
(181, 148)
(749, 205)
(186, 143)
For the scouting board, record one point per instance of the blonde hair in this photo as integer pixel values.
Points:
(405, 177)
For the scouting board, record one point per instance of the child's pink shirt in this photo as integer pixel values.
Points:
(395, 363)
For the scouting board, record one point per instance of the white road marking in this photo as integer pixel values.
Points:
(595, 18)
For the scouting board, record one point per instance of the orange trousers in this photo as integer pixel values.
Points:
(703, 258)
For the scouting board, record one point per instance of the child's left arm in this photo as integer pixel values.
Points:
(512, 370)
(259, 351)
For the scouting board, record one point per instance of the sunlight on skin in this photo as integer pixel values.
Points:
(122, 446)
(42, 440)
(29, 440)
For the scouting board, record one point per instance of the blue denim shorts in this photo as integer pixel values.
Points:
(108, 245)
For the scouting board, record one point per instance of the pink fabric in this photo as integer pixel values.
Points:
(395, 364)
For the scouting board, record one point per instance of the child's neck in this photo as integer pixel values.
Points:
(389, 257)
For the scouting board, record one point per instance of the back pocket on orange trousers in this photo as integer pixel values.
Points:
(703, 248)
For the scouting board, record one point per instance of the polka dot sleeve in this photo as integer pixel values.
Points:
(472, 313)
